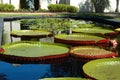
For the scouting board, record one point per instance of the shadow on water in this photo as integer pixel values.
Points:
(39, 71)
(23, 71)
(2, 76)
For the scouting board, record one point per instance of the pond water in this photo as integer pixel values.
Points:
(10, 71)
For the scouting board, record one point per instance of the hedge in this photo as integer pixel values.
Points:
(62, 8)
(6, 7)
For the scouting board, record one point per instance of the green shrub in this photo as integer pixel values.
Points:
(62, 8)
(1, 7)
(72, 9)
(6, 7)
(52, 8)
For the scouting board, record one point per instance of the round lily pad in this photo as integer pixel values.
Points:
(93, 30)
(103, 69)
(31, 33)
(118, 29)
(65, 78)
(86, 53)
(80, 39)
(33, 52)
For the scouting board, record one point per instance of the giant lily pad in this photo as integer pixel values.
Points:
(86, 53)
(80, 39)
(65, 78)
(31, 33)
(94, 30)
(103, 69)
(118, 29)
(34, 52)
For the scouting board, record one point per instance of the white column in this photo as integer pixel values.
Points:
(16, 3)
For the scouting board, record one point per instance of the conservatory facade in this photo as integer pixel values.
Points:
(83, 5)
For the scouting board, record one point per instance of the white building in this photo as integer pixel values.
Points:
(83, 5)
(13, 2)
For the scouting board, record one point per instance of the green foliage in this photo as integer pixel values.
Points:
(86, 25)
(43, 10)
(62, 8)
(28, 22)
(117, 18)
(49, 24)
(95, 15)
(6, 7)
(57, 8)
(23, 4)
(72, 9)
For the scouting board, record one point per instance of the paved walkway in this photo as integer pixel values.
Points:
(37, 13)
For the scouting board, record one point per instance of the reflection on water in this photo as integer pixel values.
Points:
(67, 69)
(10, 71)
(9, 26)
(37, 71)
(24, 71)
(15, 25)
(2, 76)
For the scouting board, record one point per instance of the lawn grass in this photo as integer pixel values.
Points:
(117, 18)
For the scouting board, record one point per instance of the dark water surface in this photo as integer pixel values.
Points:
(24, 71)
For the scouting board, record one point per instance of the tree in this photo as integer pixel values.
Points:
(23, 4)
(39, 4)
(117, 6)
(49, 1)
(9, 1)
(56, 1)
(100, 5)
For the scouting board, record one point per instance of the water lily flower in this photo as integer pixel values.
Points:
(43, 15)
(50, 14)
(2, 50)
(114, 43)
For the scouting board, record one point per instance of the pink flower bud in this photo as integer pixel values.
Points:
(43, 15)
(114, 43)
(50, 14)
(2, 50)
